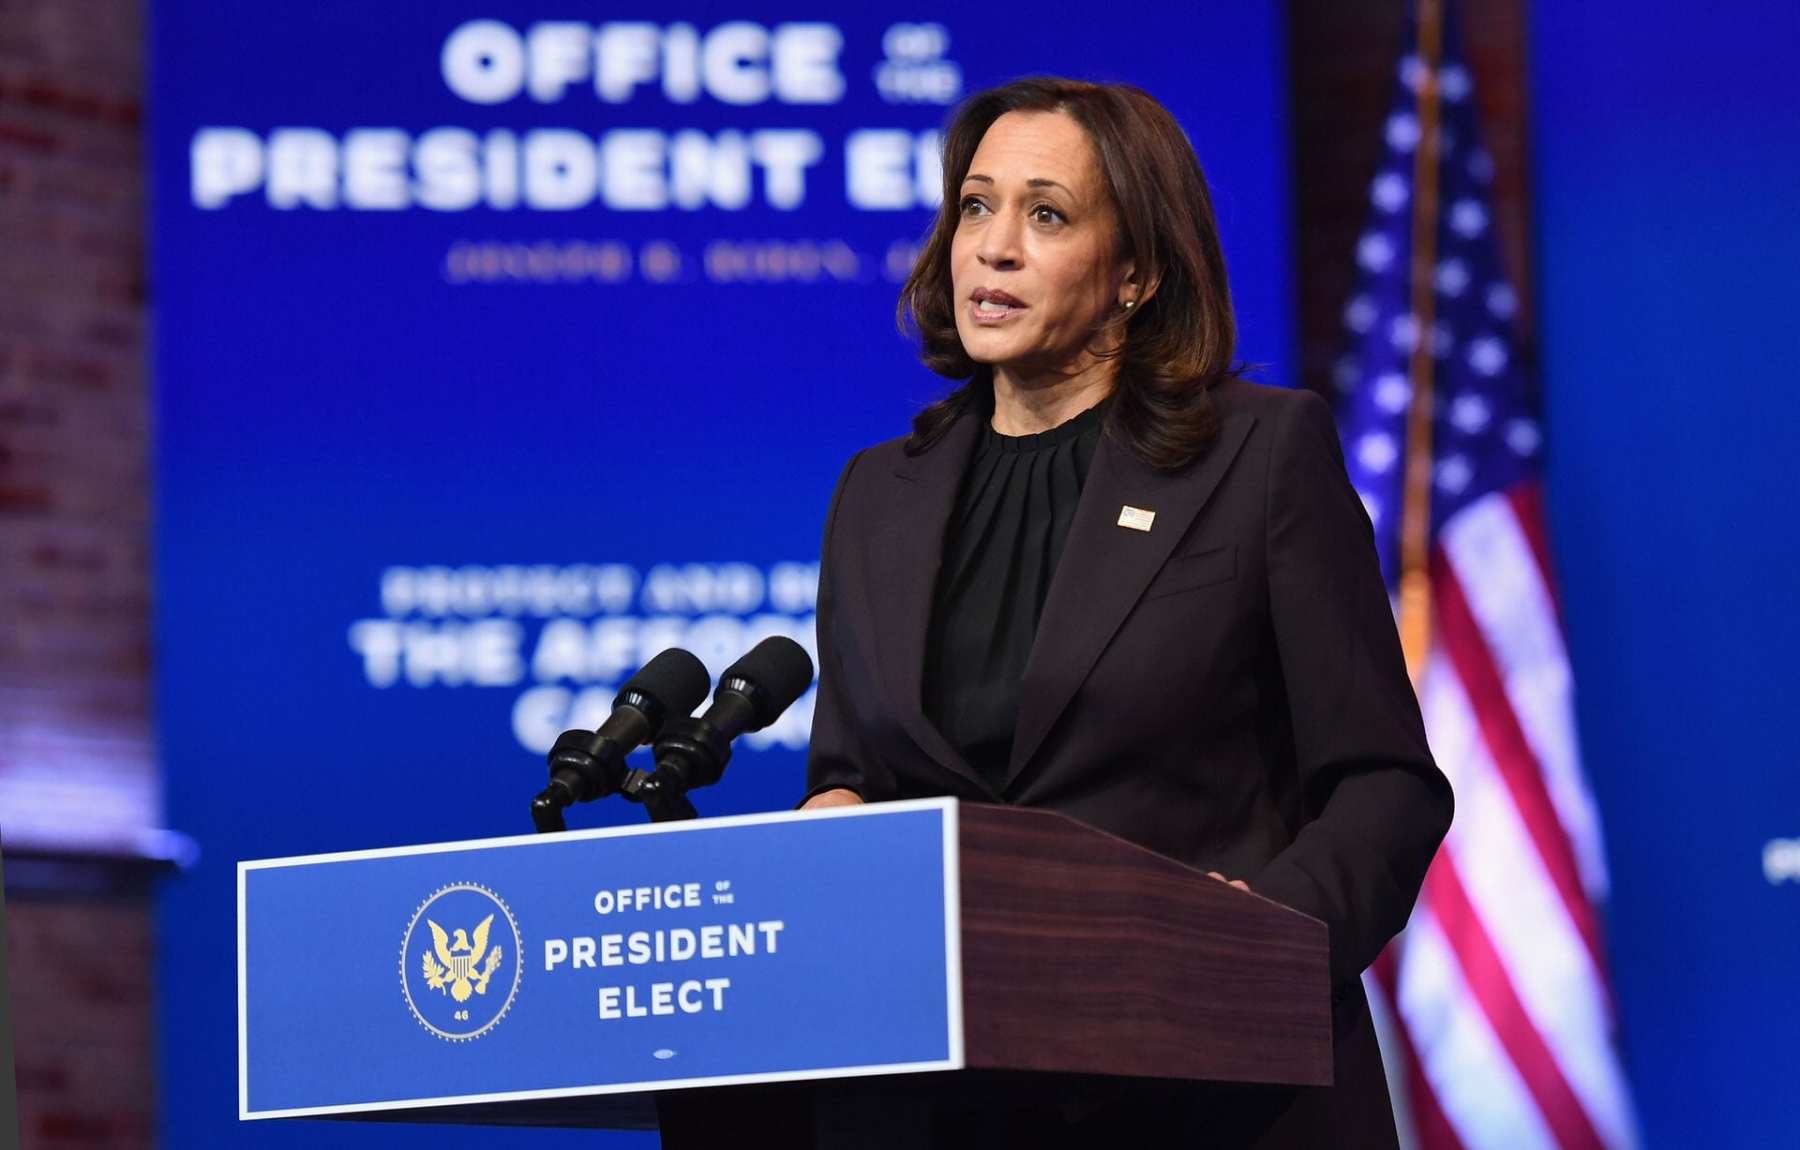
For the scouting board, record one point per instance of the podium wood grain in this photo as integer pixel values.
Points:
(1083, 952)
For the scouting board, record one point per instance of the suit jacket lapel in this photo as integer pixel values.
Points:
(901, 565)
(1104, 568)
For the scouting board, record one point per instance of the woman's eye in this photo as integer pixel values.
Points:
(971, 203)
(1045, 209)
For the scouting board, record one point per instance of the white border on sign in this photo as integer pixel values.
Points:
(953, 981)
(243, 999)
(949, 828)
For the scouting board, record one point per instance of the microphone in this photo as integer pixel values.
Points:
(692, 752)
(587, 765)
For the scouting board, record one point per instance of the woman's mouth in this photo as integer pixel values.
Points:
(986, 309)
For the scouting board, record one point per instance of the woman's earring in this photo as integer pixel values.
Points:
(1129, 304)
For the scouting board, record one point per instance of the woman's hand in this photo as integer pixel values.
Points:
(1237, 882)
(836, 797)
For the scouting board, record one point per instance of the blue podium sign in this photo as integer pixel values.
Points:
(754, 948)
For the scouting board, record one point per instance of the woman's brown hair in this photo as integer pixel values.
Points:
(1178, 340)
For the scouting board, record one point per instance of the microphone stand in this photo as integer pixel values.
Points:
(583, 765)
(547, 813)
(666, 803)
(690, 752)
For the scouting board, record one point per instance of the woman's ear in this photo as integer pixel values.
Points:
(1135, 290)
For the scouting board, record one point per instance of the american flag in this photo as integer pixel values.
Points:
(1499, 1021)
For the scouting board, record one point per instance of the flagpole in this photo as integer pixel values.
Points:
(1415, 522)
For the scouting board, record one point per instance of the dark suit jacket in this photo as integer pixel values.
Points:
(1226, 688)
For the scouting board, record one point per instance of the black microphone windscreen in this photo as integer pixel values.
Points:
(780, 668)
(675, 678)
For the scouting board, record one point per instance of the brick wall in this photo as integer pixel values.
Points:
(75, 750)
(81, 975)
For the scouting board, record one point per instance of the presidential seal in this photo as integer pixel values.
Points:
(459, 961)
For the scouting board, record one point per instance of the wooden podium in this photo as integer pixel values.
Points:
(1082, 954)
(1077, 953)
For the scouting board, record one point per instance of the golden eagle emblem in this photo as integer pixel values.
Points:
(456, 967)
(460, 962)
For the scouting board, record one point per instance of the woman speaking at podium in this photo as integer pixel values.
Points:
(1107, 577)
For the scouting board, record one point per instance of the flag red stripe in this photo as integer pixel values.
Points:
(1489, 982)
(1430, 1126)
(1506, 744)
(1527, 501)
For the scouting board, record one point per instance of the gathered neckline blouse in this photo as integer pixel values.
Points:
(1006, 532)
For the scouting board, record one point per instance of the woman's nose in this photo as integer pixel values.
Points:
(1000, 242)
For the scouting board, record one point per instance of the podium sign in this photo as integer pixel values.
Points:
(755, 948)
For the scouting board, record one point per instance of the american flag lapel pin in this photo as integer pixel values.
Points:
(1136, 518)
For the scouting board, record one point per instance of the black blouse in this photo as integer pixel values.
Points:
(1006, 532)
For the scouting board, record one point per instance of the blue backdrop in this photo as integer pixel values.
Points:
(500, 346)
(1666, 145)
